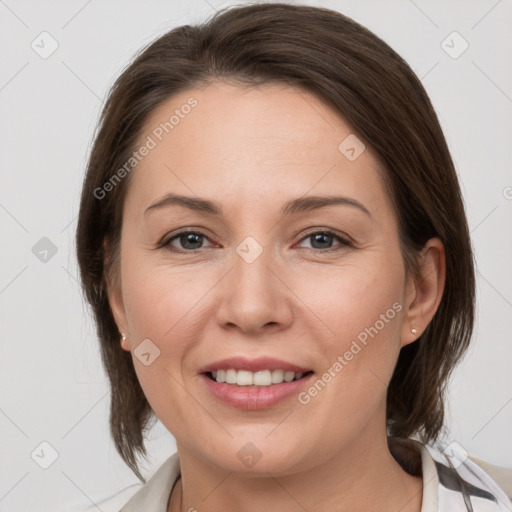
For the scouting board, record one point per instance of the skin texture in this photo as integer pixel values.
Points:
(251, 150)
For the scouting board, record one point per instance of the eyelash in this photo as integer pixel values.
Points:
(345, 242)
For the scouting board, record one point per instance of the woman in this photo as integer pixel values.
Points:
(273, 241)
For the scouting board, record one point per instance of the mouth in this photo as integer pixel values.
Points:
(259, 378)
(261, 383)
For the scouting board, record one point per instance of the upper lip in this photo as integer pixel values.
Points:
(253, 365)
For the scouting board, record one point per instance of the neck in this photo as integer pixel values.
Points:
(359, 477)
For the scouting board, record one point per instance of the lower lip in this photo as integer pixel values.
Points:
(254, 397)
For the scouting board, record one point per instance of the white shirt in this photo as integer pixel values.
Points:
(454, 484)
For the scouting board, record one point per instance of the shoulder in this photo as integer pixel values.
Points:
(116, 502)
(153, 495)
(460, 482)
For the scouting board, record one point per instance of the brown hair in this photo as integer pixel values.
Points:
(373, 88)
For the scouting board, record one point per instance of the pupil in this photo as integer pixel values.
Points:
(191, 238)
(321, 238)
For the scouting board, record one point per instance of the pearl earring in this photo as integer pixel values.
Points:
(123, 335)
(414, 331)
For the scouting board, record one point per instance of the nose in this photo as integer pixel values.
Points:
(254, 298)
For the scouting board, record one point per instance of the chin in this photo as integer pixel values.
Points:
(260, 457)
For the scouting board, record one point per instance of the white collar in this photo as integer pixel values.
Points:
(154, 494)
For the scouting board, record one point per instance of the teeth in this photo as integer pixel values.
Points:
(261, 378)
(288, 376)
(243, 378)
(277, 376)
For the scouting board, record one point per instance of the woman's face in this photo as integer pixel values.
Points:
(270, 277)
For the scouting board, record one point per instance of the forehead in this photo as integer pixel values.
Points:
(250, 142)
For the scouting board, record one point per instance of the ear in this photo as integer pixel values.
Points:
(424, 290)
(115, 299)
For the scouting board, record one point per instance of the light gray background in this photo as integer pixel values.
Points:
(52, 385)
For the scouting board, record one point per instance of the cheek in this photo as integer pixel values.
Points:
(161, 300)
(166, 306)
(352, 298)
(360, 307)
(364, 311)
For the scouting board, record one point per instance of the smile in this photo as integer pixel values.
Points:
(260, 378)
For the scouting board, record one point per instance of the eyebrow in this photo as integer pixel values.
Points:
(299, 205)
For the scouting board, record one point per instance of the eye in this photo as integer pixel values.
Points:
(189, 241)
(323, 240)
